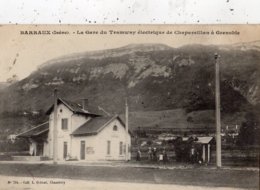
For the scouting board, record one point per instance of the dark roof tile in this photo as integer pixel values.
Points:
(76, 108)
(95, 125)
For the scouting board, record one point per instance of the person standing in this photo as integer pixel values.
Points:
(138, 155)
(192, 154)
(165, 156)
(155, 154)
(161, 157)
(150, 154)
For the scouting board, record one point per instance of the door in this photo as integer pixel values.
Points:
(82, 150)
(65, 149)
(39, 149)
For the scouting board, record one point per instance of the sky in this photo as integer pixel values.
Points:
(129, 11)
(23, 54)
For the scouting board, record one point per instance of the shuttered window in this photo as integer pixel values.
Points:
(120, 148)
(108, 147)
(65, 149)
(64, 124)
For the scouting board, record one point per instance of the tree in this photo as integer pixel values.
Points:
(249, 132)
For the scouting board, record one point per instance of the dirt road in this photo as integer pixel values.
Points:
(196, 177)
(21, 183)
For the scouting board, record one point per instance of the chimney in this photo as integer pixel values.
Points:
(84, 103)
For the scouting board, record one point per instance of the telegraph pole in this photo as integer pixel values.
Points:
(217, 105)
(55, 129)
(126, 130)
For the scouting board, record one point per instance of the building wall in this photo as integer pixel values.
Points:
(96, 145)
(74, 121)
(90, 147)
(46, 148)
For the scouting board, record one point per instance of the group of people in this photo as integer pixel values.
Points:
(187, 154)
(154, 155)
(195, 155)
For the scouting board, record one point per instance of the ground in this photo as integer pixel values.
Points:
(196, 176)
(46, 183)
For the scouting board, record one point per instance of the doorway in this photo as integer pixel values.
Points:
(39, 149)
(65, 150)
(82, 150)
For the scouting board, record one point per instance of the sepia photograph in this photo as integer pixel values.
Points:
(129, 106)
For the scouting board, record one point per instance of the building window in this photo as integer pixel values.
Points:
(120, 148)
(82, 150)
(115, 128)
(108, 147)
(64, 124)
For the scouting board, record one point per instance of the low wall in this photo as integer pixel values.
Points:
(29, 158)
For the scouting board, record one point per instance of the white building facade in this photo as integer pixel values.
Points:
(84, 136)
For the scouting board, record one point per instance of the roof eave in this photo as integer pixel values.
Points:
(48, 112)
(21, 134)
(85, 134)
(33, 135)
(86, 113)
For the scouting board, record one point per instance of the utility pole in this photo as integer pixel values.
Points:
(217, 105)
(126, 130)
(55, 129)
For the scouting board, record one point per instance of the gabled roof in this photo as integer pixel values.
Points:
(204, 140)
(35, 131)
(74, 107)
(95, 125)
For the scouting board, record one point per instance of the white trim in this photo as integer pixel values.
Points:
(33, 128)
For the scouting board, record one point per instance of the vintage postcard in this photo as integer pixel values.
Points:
(129, 106)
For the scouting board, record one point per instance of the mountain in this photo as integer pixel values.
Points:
(3, 85)
(255, 45)
(102, 54)
(154, 77)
